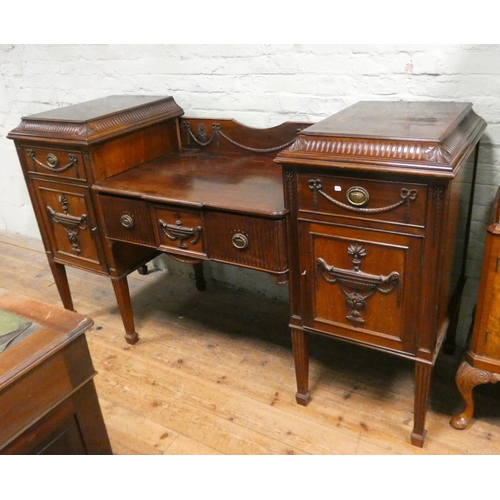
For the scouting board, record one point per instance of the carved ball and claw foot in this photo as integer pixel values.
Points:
(467, 378)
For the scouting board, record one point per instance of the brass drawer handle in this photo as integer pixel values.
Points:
(240, 241)
(53, 161)
(127, 221)
(357, 196)
(181, 233)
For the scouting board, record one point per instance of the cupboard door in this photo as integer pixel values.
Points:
(70, 224)
(487, 326)
(360, 284)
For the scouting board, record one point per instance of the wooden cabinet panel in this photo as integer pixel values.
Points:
(488, 328)
(70, 223)
(359, 284)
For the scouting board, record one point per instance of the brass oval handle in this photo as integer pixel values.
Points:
(357, 196)
(127, 221)
(52, 160)
(240, 241)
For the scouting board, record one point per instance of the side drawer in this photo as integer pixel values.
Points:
(55, 162)
(384, 201)
(70, 222)
(127, 219)
(248, 241)
(179, 231)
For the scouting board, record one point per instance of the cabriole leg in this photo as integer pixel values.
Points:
(467, 378)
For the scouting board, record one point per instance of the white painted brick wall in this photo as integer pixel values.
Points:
(259, 85)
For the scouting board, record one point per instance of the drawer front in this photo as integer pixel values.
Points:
(384, 201)
(70, 223)
(67, 164)
(179, 231)
(253, 242)
(361, 285)
(127, 219)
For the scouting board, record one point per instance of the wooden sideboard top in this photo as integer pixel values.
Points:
(249, 184)
(97, 120)
(423, 138)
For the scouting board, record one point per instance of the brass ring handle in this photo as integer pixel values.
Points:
(240, 241)
(127, 221)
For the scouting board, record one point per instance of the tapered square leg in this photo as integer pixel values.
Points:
(122, 294)
(423, 372)
(300, 344)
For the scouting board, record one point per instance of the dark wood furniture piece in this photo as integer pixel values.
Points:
(218, 196)
(379, 207)
(481, 363)
(195, 189)
(63, 152)
(48, 401)
(369, 207)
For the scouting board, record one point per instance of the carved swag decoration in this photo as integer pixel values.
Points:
(203, 140)
(406, 197)
(70, 223)
(357, 286)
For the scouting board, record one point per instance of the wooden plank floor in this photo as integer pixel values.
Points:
(213, 374)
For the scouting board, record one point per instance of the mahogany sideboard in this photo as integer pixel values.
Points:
(368, 207)
(48, 401)
(379, 204)
(481, 363)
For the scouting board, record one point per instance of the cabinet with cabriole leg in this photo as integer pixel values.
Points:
(379, 201)
(481, 363)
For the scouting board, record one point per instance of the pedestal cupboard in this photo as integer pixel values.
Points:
(481, 363)
(63, 152)
(379, 201)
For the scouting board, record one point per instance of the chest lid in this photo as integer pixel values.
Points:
(430, 138)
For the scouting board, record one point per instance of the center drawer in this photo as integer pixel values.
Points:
(383, 201)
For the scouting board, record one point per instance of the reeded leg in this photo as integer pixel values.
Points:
(201, 284)
(300, 344)
(423, 372)
(122, 293)
(61, 279)
(467, 378)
